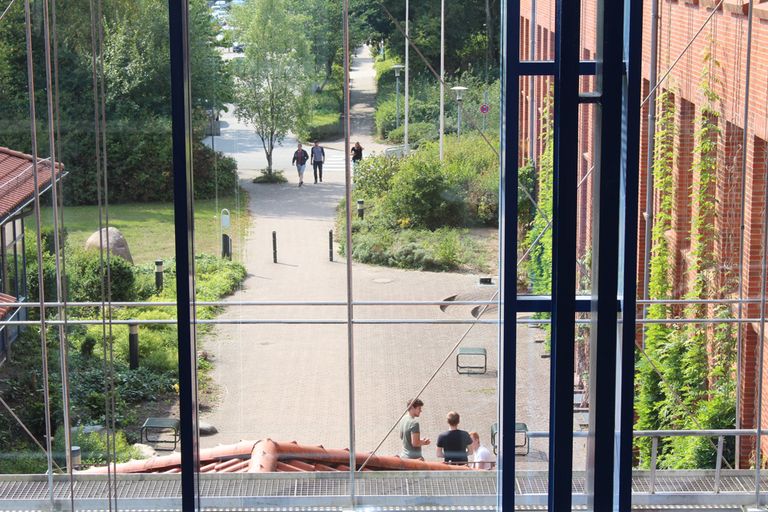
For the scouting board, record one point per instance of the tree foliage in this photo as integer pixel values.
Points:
(272, 79)
(136, 65)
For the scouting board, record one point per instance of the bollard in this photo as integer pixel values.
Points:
(133, 346)
(274, 247)
(360, 209)
(77, 458)
(330, 245)
(159, 274)
(226, 247)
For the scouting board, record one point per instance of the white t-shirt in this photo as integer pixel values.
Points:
(482, 458)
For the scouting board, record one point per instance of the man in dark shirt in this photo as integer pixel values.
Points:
(452, 445)
(300, 158)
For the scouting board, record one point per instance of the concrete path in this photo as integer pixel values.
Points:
(290, 381)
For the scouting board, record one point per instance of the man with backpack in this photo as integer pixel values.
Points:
(317, 159)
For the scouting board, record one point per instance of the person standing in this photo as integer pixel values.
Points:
(452, 445)
(410, 431)
(300, 158)
(357, 153)
(316, 159)
(481, 456)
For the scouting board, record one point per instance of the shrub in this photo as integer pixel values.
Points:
(94, 448)
(373, 176)
(322, 126)
(214, 172)
(270, 177)
(442, 250)
(417, 133)
(420, 196)
(87, 273)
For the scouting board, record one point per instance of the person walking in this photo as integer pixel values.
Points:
(316, 159)
(481, 456)
(357, 154)
(452, 445)
(410, 431)
(300, 158)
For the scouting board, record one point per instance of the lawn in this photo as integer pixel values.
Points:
(149, 227)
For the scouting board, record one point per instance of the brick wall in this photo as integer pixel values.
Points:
(725, 39)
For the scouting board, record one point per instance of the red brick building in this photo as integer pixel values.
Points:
(725, 36)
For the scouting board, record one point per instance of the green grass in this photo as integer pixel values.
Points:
(149, 227)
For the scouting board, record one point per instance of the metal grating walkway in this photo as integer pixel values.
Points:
(319, 492)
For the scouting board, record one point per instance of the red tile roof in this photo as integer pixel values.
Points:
(267, 456)
(17, 180)
(6, 299)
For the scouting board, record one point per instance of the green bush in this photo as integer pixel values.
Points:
(88, 277)
(214, 173)
(94, 448)
(373, 176)
(443, 250)
(417, 134)
(322, 126)
(420, 195)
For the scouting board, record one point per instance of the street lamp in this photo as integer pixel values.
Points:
(459, 90)
(397, 68)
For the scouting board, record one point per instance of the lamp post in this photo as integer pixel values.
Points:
(459, 90)
(407, 73)
(397, 68)
(442, 76)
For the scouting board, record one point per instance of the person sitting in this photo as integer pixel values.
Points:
(452, 445)
(481, 456)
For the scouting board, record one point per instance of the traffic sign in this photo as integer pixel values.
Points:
(484, 108)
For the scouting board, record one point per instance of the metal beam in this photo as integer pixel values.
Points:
(565, 163)
(181, 135)
(605, 256)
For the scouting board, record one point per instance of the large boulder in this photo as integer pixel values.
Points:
(117, 243)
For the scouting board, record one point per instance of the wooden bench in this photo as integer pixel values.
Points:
(465, 360)
(158, 426)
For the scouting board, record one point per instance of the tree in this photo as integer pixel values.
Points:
(272, 79)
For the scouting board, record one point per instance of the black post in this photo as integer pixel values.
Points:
(158, 275)
(330, 245)
(226, 246)
(360, 209)
(274, 247)
(133, 346)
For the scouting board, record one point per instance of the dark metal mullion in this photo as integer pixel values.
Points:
(630, 126)
(565, 163)
(605, 256)
(178, 17)
(511, 71)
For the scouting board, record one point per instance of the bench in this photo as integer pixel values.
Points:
(465, 360)
(520, 428)
(158, 426)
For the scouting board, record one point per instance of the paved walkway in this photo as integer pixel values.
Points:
(290, 381)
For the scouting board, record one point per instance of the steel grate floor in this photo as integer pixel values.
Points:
(329, 492)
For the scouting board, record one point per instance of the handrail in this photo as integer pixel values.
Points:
(655, 435)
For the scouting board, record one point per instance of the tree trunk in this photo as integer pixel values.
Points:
(268, 151)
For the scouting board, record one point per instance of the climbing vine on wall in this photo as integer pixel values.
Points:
(705, 385)
(685, 372)
(650, 396)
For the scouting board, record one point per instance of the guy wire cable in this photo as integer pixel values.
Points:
(41, 285)
(57, 249)
(429, 380)
(682, 53)
(100, 156)
(742, 217)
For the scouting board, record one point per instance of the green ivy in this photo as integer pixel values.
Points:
(650, 402)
